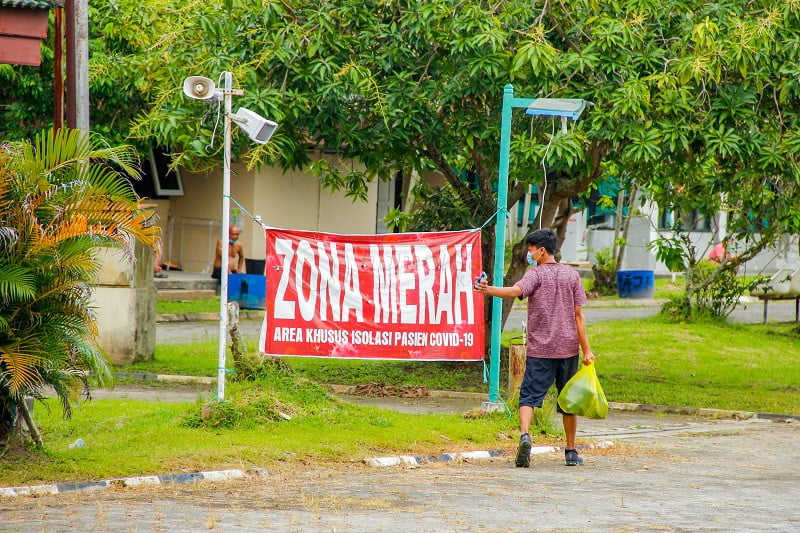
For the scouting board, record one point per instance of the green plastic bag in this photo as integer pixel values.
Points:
(583, 395)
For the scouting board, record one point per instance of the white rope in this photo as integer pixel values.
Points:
(544, 171)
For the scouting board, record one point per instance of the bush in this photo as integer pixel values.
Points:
(711, 293)
(275, 395)
(717, 298)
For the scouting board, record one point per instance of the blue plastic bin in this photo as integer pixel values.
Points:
(250, 290)
(635, 283)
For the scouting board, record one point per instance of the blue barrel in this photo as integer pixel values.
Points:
(635, 283)
(248, 289)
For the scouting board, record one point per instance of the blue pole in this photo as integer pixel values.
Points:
(500, 242)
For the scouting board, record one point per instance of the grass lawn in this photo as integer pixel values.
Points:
(724, 366)
(127, 437)
(167, 307)
(743, 367)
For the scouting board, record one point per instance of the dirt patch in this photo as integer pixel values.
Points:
(382, 390)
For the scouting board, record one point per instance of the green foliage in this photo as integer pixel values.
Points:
(61, 202)
(452, 211)
(669, 250)
(713, 293)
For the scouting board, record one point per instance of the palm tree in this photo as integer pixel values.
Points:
(62, 197)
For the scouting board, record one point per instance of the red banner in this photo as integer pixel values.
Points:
(392, 296)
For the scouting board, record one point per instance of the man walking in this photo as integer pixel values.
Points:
(556, 330)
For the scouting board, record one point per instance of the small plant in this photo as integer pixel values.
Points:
(605, 273)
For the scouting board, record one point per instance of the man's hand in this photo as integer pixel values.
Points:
(481, 286)
(588, 357)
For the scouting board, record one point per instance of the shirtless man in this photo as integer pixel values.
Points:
(235, 251)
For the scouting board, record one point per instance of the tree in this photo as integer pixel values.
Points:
(62, 197)
(684, 93)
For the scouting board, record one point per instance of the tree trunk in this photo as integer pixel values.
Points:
(12, 416)
(26, 415)
(237, 344)
(8, 419)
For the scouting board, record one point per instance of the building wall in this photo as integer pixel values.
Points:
(291, 200)
(638, 255)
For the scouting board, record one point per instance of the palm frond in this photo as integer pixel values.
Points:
(20, 368)
(16, 283)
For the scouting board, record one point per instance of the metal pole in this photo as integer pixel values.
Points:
(226, 209)
(500, 242)
(82, 64)
(58, 69)
(77, 41)
(69, 44)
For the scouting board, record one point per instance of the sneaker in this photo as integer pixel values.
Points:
(524, 451)
(572, 458)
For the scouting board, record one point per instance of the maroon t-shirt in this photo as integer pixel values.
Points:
(553, 290)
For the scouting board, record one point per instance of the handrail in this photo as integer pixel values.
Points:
(184, 222)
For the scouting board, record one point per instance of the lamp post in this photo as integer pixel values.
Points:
(259, 130)
(564, 108)
(225, 256)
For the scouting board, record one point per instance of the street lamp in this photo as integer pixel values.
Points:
(555, 107)
(259, 129)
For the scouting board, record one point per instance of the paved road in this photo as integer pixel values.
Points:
(752, 313)
(662, 474)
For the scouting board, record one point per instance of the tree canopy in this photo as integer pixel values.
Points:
(696, 102)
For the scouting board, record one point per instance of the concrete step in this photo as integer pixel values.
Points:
(174, 282)
(185, 295)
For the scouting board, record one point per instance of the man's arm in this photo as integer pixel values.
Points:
(217, 255)
(501, 292)
(583, 339)
(240, 268)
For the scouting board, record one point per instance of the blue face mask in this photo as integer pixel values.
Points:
(232, 241)
(529, 258)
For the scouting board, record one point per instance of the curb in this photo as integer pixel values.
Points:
(166, 479)
(418, 460)
(165, 318)
(167, 378)
(699, 411)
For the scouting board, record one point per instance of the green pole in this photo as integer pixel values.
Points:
(500, 242)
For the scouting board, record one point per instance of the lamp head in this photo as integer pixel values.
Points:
(258, 128)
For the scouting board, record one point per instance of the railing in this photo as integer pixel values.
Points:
(182, 225)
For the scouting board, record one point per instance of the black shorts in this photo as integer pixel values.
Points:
(540, 373)
(217, 273)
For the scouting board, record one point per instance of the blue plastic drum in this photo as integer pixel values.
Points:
(635, 284)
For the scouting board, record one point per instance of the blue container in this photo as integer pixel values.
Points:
(635, 283)
(249, 290)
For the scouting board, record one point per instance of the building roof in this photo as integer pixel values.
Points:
(32, 4)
